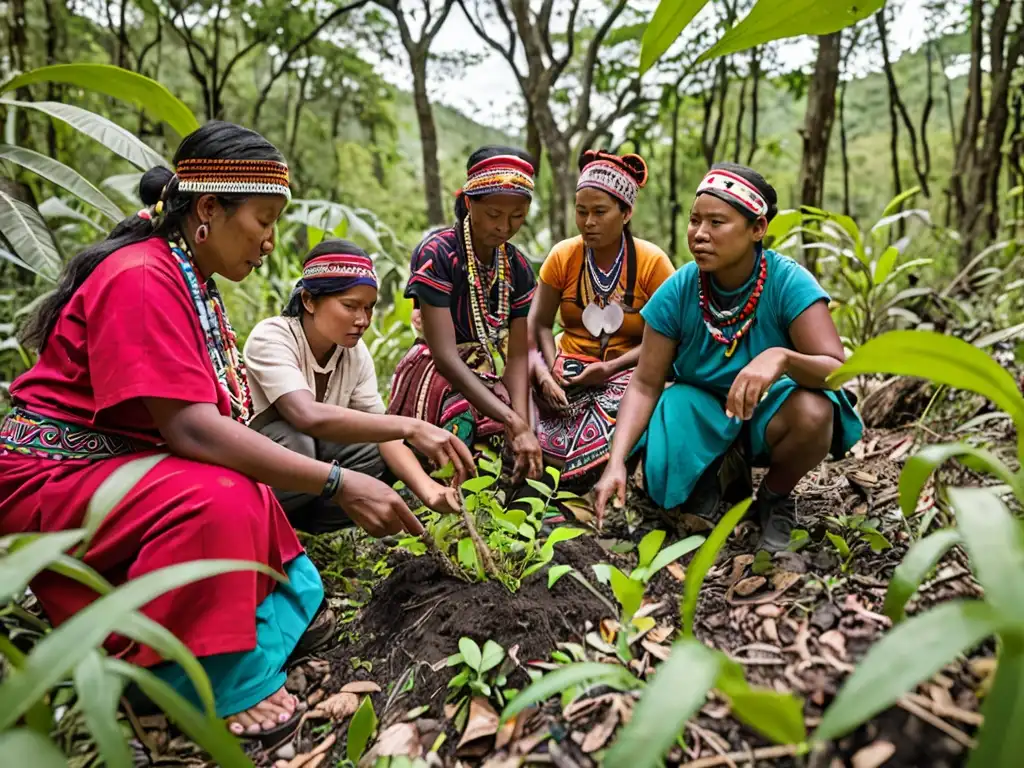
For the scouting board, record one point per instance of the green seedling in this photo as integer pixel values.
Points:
(481, 672)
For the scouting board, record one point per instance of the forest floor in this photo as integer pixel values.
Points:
(800, 627)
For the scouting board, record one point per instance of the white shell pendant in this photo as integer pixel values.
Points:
(599, 320)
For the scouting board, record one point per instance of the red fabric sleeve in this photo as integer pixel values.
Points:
(143, 334)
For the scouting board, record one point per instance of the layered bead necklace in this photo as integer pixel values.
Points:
(739, 318)
(221, 343)
(490, 329)
(605, 283)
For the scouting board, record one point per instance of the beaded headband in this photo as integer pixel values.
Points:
(503, 173)
(212, 176)
(334, 266)
(610, 177)
(736, 190)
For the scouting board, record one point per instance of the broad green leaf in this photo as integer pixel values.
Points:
(18, 568)
(22, 746)
(678, 690)
(10, 257)
(839, 543)
(603, 572)
(491, 657)
(328, 215)
(780, 19)
(940, 359)
(470, 652)
(704, 559)
(121, 84)
(99, 693)
(536, 505)
(777, 716)
(911, 652)
(994, 540)
(61, 650)
(547, 551)
(557, 572)
(210, 733)
(364, 723)
(672, 553)
(479, 483)
(668, 22)
(112, 491)
(26, 232)
(539, 487)
(885, 264)
(923, 555)
(143, 629)
(554, 474)
(56, 172)
(895, 204)
(460, 679)
(1001, 738)
(920, 466)
(467, 554)
(629, 593)
(592, 672)
(649, 546)
(780, 227)
(54, 208)
(112, 136)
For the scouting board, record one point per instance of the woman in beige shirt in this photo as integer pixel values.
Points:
(314, 390)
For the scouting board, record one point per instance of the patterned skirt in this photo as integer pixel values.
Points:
(419, 391)
(580, 436)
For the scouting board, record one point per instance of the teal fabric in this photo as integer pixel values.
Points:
(242, 680)
(689, 428)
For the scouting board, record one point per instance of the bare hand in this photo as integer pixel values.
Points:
(375, 507)
(552, 394)
(444, 500)
(592, 375)
(441, 446)
(752, 383)
(523, 444)
(612, 485)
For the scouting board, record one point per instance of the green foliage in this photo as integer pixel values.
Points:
(360, 731)
(704, 559)
(481, 672)
(920, 560)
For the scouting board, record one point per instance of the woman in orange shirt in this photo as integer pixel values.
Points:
(598, 282)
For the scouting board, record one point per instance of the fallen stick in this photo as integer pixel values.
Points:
(482, 552)
(937, 722)
(764, 753)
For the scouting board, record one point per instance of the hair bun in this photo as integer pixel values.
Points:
(637, 168)
(152, 184)
(588, 156)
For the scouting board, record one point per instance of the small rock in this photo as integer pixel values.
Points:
(825, 616)
(769, 611)
(793, 562)
(287, 752)
(771, 632)
(296, 682)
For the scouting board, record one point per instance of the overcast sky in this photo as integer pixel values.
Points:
(485, 91)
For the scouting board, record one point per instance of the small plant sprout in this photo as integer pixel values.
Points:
(481, 672)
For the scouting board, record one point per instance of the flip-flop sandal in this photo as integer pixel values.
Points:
(277, 735)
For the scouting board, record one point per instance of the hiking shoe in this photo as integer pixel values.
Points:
(777, 517)
(706, 495)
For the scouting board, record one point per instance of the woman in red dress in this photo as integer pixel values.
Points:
(136, 357)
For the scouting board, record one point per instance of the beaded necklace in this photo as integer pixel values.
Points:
(742, 315)
(602, 283)
(490, 329)
(220, 339)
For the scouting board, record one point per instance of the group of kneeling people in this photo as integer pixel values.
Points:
(669, 369)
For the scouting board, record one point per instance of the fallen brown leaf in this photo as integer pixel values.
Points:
(505, 732)
(301, 761)
(603, 731)
(660, 634)
(400, 740)
(659, 652)
(360, 686)
(337, 707)
(676, 570)
(873, 755)
(609, 628)
(749, 586)
(483, 721)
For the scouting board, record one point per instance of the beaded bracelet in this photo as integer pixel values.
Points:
(333, 481)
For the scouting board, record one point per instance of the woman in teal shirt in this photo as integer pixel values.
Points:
(749, 342)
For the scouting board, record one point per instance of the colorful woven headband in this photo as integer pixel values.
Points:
(253, 177)
(501, 174)
(736, 190)
(610, 177)
(340, 266)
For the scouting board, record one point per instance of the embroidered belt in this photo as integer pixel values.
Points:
(41, 436)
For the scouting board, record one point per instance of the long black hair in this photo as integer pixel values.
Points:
(485, 153)
(215, 140)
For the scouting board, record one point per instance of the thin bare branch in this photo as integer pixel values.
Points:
(583, 116)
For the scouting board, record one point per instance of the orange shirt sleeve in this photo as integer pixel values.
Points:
(552, 271)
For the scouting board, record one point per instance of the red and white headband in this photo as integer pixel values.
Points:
(734, 188)
(610, 178)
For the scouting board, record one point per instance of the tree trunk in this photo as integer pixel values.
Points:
(53, 35)
(821, 109)
(755, 73)
(300, 103)
(18, 50)
(844, 151)
(428, 139)
(673, 180)
(721, 90)
(741, 109)
(378, 161)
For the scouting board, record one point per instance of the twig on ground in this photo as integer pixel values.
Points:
(920, 712)
(947, 710)
(712, 740)
(140, 732)
(764, 753)
(482, 552)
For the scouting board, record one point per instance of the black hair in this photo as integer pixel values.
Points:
(294, 307)
(758, 181)
(485, 153)
(214, 140)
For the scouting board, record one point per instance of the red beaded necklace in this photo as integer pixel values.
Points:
(715, 319)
